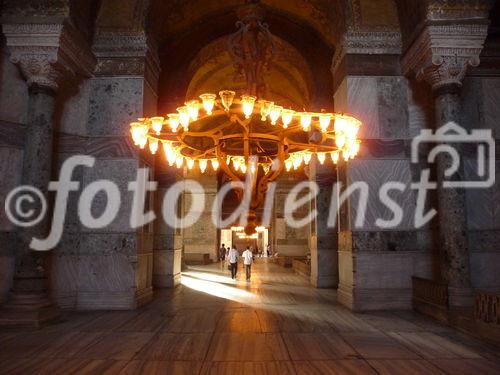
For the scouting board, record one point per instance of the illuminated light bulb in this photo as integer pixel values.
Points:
(297, 162)
(179, 160)
(265, 109)
(236, 163)
(215, 164)
(193, 107)
(340, 140)
(253, 168)
(288, 165)
(190, 163)
(307, 158)
(305, 120)
(275, 114)
(157, 124)
(335, 157)
(324, 121)
(248, 102)
(346, 155)
(169, 153)
(341, 123)
(184, 117)
(227, 97)
(143, 141)
(203, 163)
(208, 102)
(321, 157)
(136, 132)
(243, 168)
(287, 117)
(352, 129)
(153, 145)
(173, 120)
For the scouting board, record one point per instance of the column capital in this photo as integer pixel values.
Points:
(47, 54)
(442, 53)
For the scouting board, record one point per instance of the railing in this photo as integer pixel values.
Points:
(487, 308)
(429, 291)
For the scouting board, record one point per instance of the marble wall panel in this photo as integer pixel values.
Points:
(483, 205)
(114, 103)
(11, 161)
(392, 107)
(376, 173)
(420, 107)
(484, 271)
(491, 107)
(362, 103)
(120, 172)
(73, 105)
(13, 91)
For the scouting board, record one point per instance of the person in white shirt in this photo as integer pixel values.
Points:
(247, 261)
(233, 261)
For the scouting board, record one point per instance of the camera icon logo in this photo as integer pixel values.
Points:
(480, 146)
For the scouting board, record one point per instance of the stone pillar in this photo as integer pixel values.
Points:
(201, 238)
(324, 240)
(167, 245)
(441, 56)
(46, 55)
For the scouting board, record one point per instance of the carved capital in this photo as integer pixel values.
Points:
(442, 54)
(48, 53)
(367, 43)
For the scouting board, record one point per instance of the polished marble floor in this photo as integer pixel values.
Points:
(276, 324)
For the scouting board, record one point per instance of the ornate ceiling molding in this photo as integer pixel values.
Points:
(48, 53)
(442, 54)
(132, 54)
(367, 43)
(439, 10)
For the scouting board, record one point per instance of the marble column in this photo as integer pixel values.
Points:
(441, 56)
(324, 240)
(44, 54)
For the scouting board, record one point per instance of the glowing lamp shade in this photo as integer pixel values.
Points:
(248, 102)
(288, 165)
(215, 164)
(335, 157)
(305, 120)
(243, 168)
(341, 124)
(236, 163)
(174, 121)
(321, 157)
(227, 97)
(203, 163)
(184, 117)
(265, 109)
(275, 114)
(157, 124)
(139, 132)
(307, 158)
(153, 145)
(169, 153)
(340, 140)
(287, 117)
(190, 163)
(193, 107)
(179, 160)
(208, 102)
(324, 121)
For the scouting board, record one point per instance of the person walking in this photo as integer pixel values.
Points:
(233, 261)
(247, 261)
(222, 256)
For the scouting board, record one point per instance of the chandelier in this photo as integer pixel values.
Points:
(250, 139)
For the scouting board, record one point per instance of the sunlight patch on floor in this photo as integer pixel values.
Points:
(195, 281)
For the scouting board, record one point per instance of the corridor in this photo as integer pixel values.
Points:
(276, 324)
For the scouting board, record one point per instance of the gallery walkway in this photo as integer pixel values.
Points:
(274, 325)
